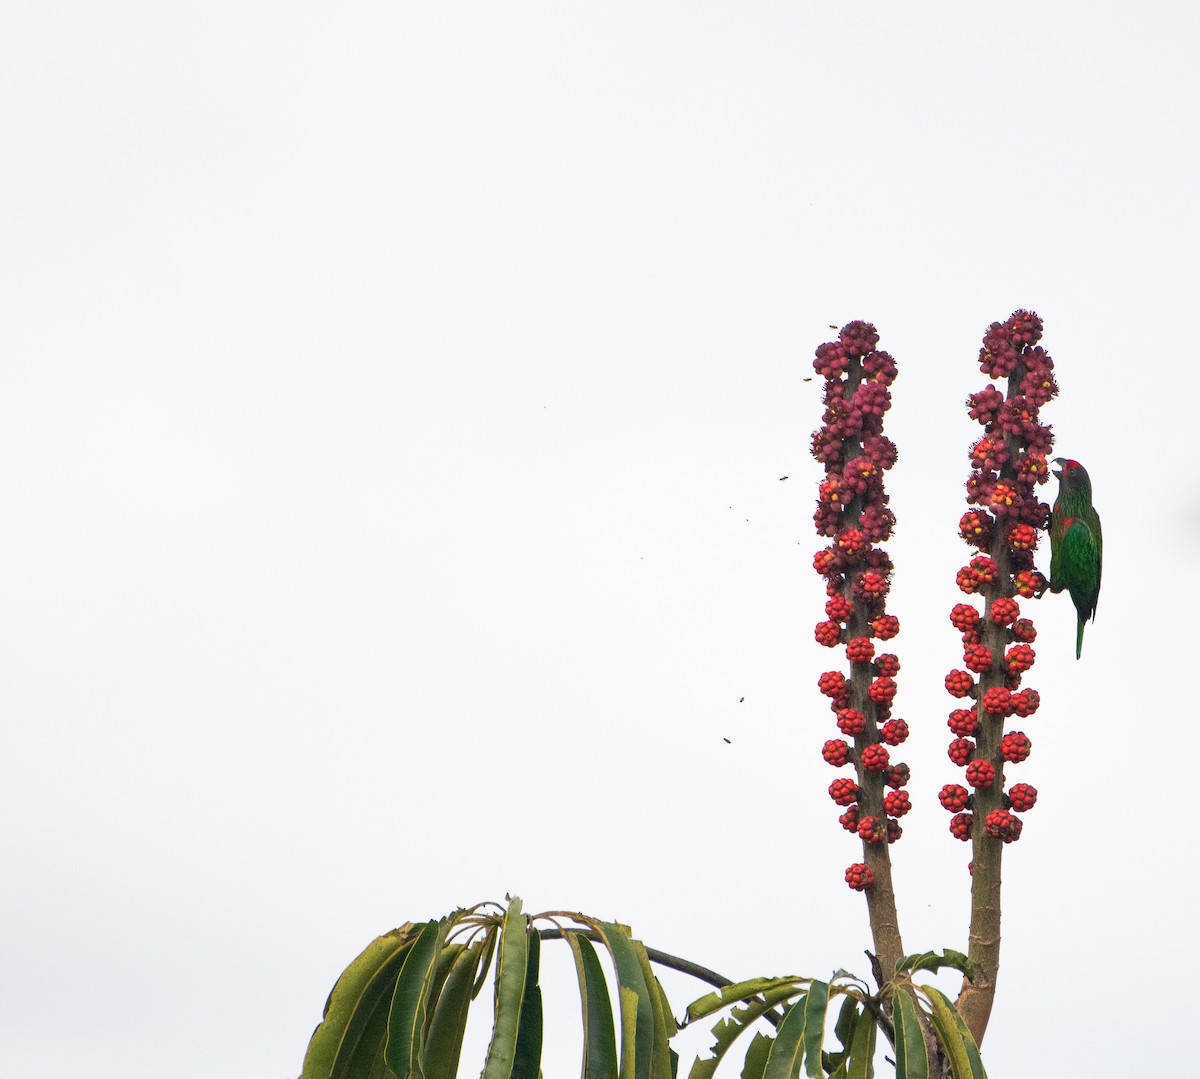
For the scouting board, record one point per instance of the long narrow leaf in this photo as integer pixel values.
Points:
(664, 1021)
(783, 1062)
(734, 1025)
(527, 1061)
(815, 1006)
(599, 1038)
(631, 979)
(363, 988)
(861, 1058)
(448, 1017)
(934, 962)
(406, 1020)
(756, 1056)
(739, 991)
(912, 1058)
(510, 991)
(956, 1039)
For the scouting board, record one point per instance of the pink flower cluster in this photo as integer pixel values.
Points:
(1007, 463)
(852, 513)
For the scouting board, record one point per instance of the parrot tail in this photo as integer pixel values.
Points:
(1079, 637)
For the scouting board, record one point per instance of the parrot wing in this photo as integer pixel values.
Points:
(1079, 555)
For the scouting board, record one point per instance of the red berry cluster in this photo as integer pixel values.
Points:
(1003, 525)
(852, 514)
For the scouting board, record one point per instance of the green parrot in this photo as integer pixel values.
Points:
(1076, 544)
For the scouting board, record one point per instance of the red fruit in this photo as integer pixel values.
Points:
(851, 541)
(1022, 796)
(967, 580)
(871, 830)
(860, 650)
(1001, 824)
(894, 831)
(964, 617)
(838, 609)
(1026, 702)
(833, 684)
(882, 690)
(875, 758)
(976, 528)
(859, 877)
(851, 721)
(960, 826)
(1015, 746)
(894, 731)
(959, 752)
(849, 819)
(1027, 583)
(886, 663)
(985, 569)
(886, 626)
(954, 797)
(843, 791)
(871, 584)
(898, 776)
(1019, 658)
(1004, 496)
(981, 773)
(896, 803)
(836, 752)
(830, 491)
(978, 658)
(959, 683)
(825, 561)
(1005, 611)
(828, 634)
(963, 721)
(1023, 630)
(997, 701)
(1023, 537)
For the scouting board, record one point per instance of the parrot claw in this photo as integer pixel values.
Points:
(1043, 584)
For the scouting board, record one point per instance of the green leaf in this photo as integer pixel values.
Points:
(527, 1062)
(739, 991)
(734, 1025)
(510, 990)
(860, 1061)
(847, 1017)
(448, 1015)
(956, 1039)
(628, 1006)
(363, 989)
(756, 1056)
(599, 1038)
(635, 997)
(815, 1006)
(783, 1062)
(933, 962)
(664, 1021)
(912, 1059)
(406, 1020)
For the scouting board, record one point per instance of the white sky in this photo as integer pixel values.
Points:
(392, 410)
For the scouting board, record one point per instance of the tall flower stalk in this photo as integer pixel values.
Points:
(1007, 463)
(852, 512)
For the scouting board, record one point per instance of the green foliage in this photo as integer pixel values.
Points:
(399, 1011)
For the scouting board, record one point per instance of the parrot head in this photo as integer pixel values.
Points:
(1072, 476)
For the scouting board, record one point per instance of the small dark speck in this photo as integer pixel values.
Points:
(727, 741)
(740, 699)
(782, 478)
(806, 380)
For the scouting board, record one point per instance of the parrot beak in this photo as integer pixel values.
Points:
(1058, 471)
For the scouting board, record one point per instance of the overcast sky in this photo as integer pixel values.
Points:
(393, 406)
